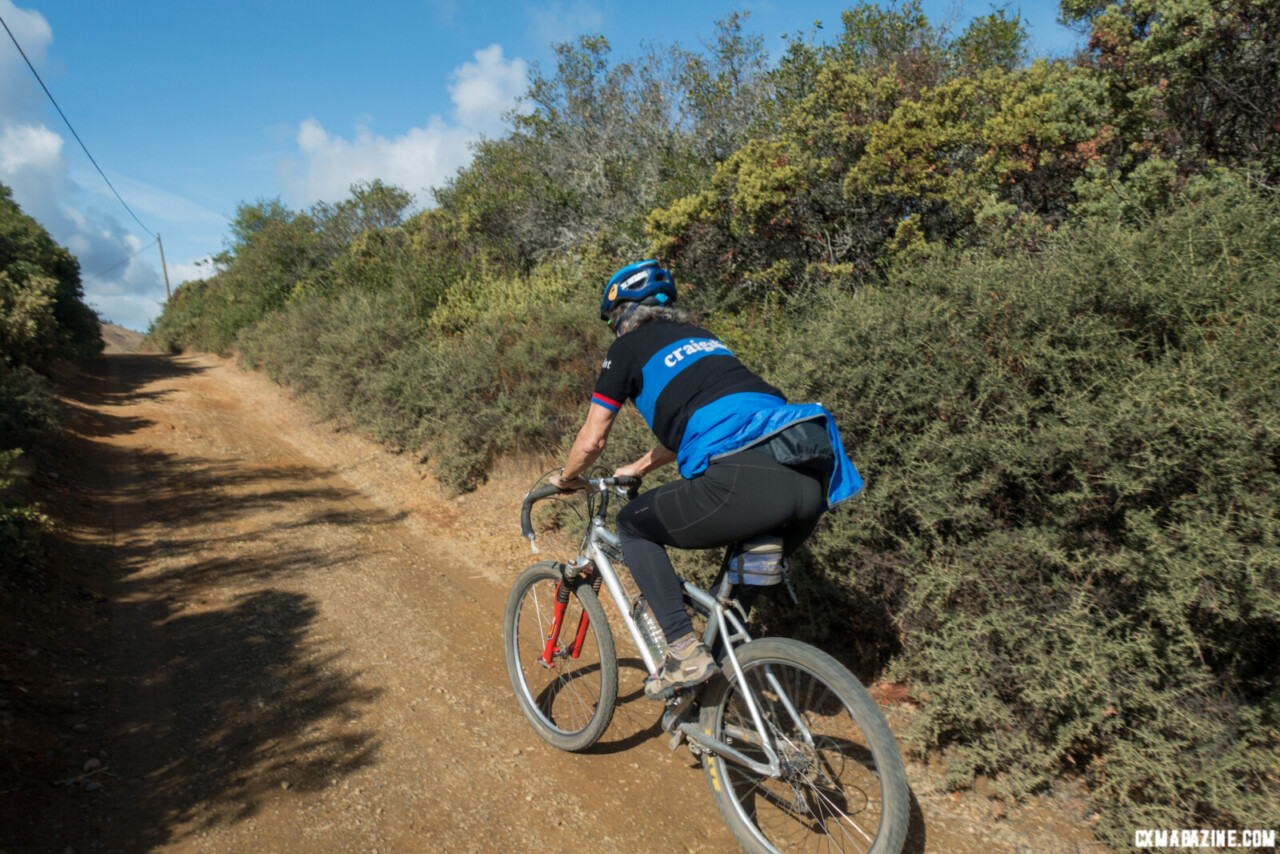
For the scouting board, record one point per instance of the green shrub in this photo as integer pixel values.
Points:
(28, 408)
(1071, 522)
(193, 318)
(491, 376)
(28, 412)
(21, 522)
(42, 319)
(42, 313)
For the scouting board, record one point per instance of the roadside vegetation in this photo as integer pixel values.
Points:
(42, 320)
(1040, 295)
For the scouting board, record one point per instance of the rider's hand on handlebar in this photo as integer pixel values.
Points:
(572, 485)
(630, 470)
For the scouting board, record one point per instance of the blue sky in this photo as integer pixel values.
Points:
(192, 108)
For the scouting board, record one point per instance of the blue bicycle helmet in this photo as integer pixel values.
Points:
(644, 282)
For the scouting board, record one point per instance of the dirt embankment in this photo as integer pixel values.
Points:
(119, 340)
(261, 634)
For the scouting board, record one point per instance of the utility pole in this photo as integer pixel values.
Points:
(164, 267)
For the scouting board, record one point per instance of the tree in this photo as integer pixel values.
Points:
(1194, 82)
(725, 90)
(373, 206)
(904, 138)
(42, 312)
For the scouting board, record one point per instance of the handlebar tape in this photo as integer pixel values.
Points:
(536, 495)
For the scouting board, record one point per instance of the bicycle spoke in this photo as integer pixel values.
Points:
(569, 699)
(843, 817)
(828, 796)
(565, 694)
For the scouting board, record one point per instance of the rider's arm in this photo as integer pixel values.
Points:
(655, 459)
(586, 448)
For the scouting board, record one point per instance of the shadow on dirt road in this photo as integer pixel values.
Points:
(194, 679)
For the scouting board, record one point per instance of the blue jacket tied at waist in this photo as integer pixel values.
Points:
(738, 421)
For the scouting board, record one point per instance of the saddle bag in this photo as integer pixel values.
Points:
(804, 445)
(758, 561)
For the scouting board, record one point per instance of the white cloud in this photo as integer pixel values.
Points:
(34, 165)
(29, 27)
(119, 280)
(483, 90)
(34, 34)
(201, 268)
(560, 22)
(29, 147)
(132, 311)
(417, 160)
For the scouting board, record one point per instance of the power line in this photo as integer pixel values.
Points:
(102, 273)
(69, 127)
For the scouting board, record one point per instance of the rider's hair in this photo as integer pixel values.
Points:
(642, 314)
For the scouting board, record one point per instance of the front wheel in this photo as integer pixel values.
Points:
(843, 786)
(565, 678)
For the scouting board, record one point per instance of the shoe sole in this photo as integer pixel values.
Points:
(670, 690)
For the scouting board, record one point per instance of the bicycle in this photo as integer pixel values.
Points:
(796, 752)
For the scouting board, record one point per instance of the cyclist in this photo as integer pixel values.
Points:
(751, 462)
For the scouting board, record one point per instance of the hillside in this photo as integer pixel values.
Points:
(120, 340)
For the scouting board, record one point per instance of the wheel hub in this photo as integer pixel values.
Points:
(796, 767)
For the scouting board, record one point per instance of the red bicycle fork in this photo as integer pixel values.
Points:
(562, 605)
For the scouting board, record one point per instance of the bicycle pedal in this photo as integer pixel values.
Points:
(676, 738)
(679, 697)
(677, 706)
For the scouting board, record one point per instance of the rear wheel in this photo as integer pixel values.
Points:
(843, 786)
(569, 699)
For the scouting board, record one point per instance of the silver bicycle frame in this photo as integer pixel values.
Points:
(723, 622)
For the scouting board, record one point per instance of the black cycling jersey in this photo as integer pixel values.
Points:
(671, 370)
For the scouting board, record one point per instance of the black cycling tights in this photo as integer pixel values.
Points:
(737, 497)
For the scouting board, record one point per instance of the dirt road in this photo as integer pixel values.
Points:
(292, 643)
